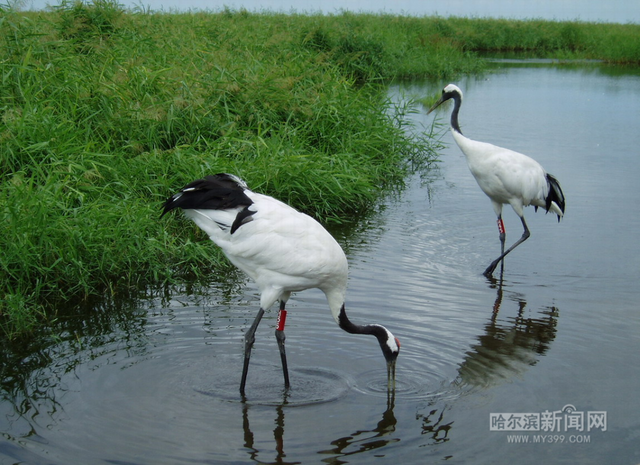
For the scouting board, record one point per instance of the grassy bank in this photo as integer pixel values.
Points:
(104, 113)
(611, 43)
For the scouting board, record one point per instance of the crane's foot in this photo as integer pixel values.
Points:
(491, 268)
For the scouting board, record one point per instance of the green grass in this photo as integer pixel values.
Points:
(106, 112)
(612, 43)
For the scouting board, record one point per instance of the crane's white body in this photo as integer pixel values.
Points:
(506, 176)
(281, 249)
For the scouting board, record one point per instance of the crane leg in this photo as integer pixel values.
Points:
(503, 233)
(280, 337)
(503, 237)
(525, 235)
(249, 339)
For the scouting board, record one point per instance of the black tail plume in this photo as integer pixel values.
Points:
(555, 194)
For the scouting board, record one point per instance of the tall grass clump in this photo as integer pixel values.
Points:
(105, 113)
(83, 23)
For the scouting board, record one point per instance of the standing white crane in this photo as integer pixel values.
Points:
(507, 177)
(281, 249)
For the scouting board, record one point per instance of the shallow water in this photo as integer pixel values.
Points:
(156, 381)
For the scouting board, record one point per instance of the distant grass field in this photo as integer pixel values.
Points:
(105, 112)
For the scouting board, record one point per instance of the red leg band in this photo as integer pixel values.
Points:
(282, 318)
(500, 226)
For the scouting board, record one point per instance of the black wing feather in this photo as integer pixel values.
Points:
(219, 192)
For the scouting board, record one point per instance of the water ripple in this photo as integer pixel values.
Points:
(308, 386)
(408, 386)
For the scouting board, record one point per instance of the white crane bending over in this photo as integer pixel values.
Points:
(281, 249)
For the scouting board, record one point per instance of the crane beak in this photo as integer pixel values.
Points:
(391, 358)
(437, 104)
(391, 375)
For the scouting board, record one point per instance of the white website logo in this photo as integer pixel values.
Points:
(567, 419)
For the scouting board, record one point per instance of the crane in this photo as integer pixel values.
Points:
(281, 249)
(505, 176)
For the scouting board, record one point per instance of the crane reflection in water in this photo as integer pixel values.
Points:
(510, 345)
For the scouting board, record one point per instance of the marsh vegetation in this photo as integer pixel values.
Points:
(105, 112)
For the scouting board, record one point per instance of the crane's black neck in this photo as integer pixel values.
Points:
(457, 100)
(351, 328)
(379, 331)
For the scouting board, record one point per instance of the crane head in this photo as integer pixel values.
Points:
(450, 91)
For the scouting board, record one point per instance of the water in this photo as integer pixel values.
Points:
(155, 381)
